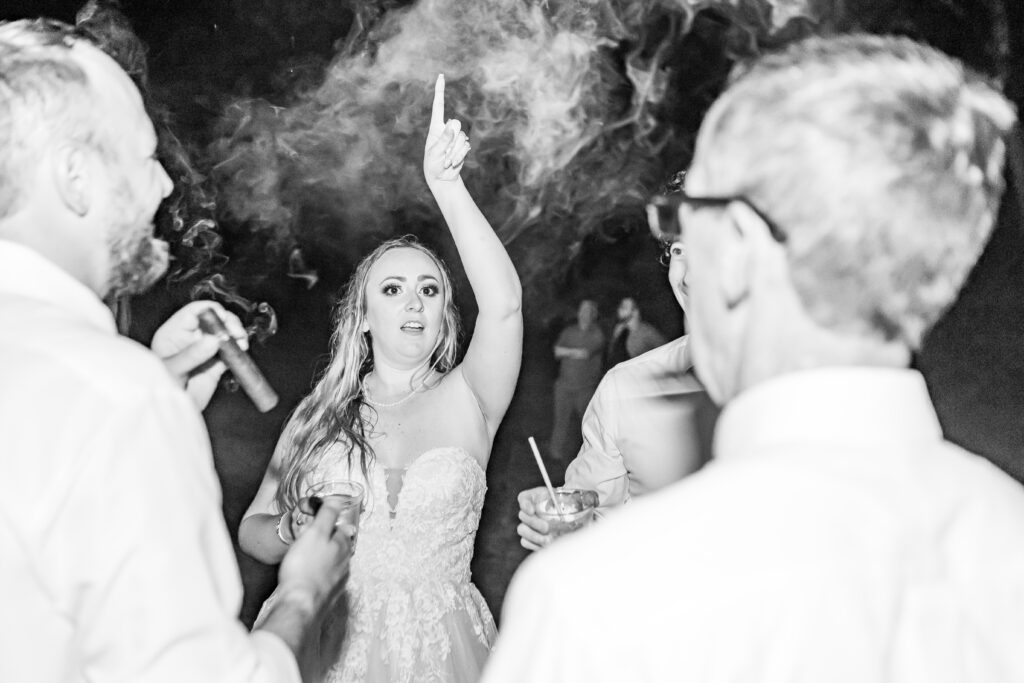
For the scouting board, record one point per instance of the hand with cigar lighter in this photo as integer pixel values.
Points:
(190, 354)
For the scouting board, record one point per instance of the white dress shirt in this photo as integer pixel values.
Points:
(115, 563)
(648, 425)
(835, 537)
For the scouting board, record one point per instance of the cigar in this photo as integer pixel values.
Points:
(238, 361)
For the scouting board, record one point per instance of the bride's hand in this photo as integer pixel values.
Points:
(299, 517)
(447, 146)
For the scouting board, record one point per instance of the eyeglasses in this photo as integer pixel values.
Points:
(663, 215)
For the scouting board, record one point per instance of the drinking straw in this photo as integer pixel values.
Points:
(547, 479)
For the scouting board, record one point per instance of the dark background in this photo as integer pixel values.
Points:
(238, 85)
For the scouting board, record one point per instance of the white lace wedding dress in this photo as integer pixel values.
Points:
(413, 614)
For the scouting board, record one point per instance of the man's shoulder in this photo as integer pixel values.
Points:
(669, 363)
(957, 469)
(119, 358)
(646, 330)
(649, 328)
(674, 352)
(71, 353)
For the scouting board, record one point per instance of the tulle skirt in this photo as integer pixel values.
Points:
(433, 632)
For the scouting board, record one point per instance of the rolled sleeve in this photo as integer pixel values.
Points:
(599, 465)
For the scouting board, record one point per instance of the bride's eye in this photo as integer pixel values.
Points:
(430, 290)
(390, 289)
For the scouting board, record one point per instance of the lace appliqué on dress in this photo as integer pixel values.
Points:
(413, 614)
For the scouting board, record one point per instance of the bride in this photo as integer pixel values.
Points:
(395, 413)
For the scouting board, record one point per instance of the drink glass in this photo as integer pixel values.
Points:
(348, 493)
(575, 510)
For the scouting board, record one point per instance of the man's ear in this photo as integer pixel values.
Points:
(735, 265)
(72, 179)
(747, 243)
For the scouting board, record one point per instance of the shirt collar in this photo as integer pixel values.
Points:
(25, 272)
(848, 405)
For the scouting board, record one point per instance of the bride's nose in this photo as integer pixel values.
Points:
(415, 303)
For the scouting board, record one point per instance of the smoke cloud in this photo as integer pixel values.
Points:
(576, 111)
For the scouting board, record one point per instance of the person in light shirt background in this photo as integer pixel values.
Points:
(840, 192)
(579, 351)
(649, 424)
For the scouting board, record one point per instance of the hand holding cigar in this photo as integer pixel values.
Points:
(190, 355)
(245, 371)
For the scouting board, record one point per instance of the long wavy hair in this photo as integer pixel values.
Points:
(332, 412)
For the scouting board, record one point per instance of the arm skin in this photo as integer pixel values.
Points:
(257, 533)
(491, 363)
(492, 360)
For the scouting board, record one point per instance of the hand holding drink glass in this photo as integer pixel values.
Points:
(343, 495)
(571, 509)
(543, 522)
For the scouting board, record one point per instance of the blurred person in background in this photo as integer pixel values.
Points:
(579, 351)
(632, 336)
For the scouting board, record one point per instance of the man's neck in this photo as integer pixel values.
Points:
(807, 346)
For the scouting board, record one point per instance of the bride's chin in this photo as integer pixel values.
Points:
(403, 360)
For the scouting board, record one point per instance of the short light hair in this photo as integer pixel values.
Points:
(45, 98)
(880, 158)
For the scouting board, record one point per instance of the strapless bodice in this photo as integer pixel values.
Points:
(412, 616)
(427, 528)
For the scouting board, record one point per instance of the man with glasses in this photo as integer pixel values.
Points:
(840, 192)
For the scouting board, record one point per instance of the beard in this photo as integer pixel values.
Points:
(138, 263)
(137, 258)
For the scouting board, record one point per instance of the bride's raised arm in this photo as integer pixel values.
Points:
(491, 364)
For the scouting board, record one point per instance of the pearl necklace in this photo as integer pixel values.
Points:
(379, 404)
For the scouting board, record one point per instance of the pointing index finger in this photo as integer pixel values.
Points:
(437, 112)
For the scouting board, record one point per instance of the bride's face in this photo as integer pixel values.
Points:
(404, 306)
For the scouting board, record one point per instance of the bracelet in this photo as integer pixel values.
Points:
(278, 530)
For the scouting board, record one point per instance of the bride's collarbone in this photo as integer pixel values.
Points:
(435, 419)
(433, 410)
(397, 442)
(401, 432)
